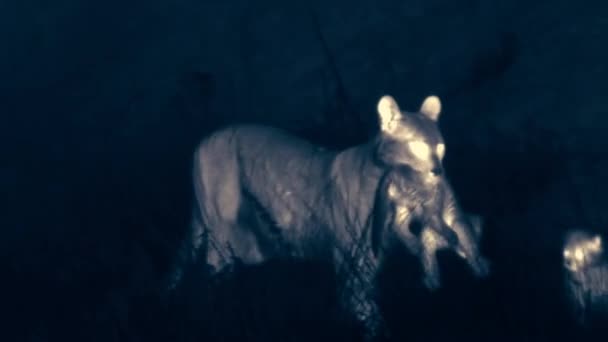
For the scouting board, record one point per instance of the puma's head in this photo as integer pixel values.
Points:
(582, 250)
(411, 138)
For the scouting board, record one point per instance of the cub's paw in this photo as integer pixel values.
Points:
(432, 283)
(414, 246)
(482, 267)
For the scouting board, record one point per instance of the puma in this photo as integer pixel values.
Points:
(262, 193)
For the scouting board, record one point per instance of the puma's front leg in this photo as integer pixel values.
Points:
(360, 300)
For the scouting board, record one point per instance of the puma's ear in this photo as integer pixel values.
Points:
(431, 107)
(388, 112)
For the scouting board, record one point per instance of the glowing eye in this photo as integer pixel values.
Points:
(392, 191)
(578, 255)
(597, 243)
(420, 149)
(440, 149)
(566, 253)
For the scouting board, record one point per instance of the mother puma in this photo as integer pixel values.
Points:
(262, 193)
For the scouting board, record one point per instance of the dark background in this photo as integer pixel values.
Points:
(102, 103)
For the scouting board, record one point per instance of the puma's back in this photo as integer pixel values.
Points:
(258, 160)
(267, 163)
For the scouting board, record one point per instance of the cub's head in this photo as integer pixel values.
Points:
(582, 250)
(411, 138)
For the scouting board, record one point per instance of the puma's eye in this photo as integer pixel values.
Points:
(566, 253)
(440, 150)
(420, 149)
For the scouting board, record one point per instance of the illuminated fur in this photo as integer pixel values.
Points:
(263, 193)
(586, 274)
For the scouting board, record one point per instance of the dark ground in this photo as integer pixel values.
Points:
(103, 102)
